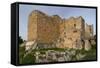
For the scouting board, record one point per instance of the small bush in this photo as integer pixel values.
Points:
(29, 59)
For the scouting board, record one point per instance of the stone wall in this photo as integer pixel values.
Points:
(62, 33)
(32, 26)
(73, 33)
(88, 31)
(43, 28)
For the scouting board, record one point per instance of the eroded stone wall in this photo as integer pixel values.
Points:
(62, 33)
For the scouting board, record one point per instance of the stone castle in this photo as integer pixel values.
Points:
(46, 31)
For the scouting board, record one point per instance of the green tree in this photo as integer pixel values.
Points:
(20, 40)
(29, 59)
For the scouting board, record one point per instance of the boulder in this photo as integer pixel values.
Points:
(93, 42)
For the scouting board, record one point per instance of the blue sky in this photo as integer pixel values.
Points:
(89, 14)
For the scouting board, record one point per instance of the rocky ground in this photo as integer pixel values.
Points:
(55, 55)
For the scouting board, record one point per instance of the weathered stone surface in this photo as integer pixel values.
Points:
(42, 27)
(87, 45)
(92, 42)
(31, 45)
(32, 26)
(74, 32)
(88, 31)
(61, 33)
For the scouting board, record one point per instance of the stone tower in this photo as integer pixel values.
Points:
(74, 32)
(43, 28)
(32, 26)
(88, 31)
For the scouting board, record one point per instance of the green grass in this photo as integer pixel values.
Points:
(21, 53)
(29, 59)
(91, 54)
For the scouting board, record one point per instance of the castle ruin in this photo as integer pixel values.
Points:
(53, 31)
